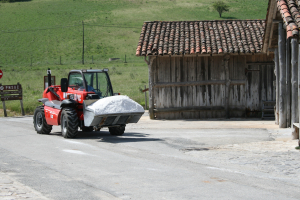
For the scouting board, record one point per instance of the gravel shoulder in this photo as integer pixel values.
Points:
(10, 189)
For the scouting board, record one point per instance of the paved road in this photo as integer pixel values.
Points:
(177, 159)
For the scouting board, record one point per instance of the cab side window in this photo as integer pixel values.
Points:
(104, 85)
(88, 77)
(75, 81)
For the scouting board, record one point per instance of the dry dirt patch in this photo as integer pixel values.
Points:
(9, 113)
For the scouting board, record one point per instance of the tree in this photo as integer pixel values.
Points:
(221, 7)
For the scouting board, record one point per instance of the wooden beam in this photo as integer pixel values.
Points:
(4, 108)
(277, 21)
(288, 83)
(294, 81)
(3, 104)
(260, 63)
(282, 79)
(298, 82)
(271, 36)
(227, 87)
(189, 108)
(151, 82)
(197, 83)
(269, 25)
(198, 108)
(277, 86)
(238, 82)
(190, 83)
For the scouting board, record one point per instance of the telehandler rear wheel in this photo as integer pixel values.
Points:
(117, 130)
(39, 121)
(69, 123)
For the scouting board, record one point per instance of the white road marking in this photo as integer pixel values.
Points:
(74, 142)
(75, 152)
(78, 152)
(79, 143)
(226, 170)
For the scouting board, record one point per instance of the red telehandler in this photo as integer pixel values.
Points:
(85, 100)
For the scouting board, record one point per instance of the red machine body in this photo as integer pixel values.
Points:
(52, 115)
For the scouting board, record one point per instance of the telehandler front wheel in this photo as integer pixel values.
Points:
(39, 121)
(119, 130)
(69, 123)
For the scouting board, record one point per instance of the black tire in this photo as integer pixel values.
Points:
(117, 130)
(87, 129)
(39, 121)
(69, 123)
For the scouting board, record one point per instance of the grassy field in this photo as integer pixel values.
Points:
(127, 79)
(38, 34)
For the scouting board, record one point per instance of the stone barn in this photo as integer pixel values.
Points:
(207, 69)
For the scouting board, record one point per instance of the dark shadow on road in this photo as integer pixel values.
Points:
(104, 136)
(55, 133)
(121, 139)
(217, 119)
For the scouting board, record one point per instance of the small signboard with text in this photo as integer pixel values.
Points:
(11, 92)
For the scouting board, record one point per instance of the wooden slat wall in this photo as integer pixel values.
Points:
(237, 97)
(246, 95)
(260, 84)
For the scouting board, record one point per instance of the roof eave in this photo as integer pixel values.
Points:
(271, 14)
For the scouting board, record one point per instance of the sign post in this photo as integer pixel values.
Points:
(11, 92)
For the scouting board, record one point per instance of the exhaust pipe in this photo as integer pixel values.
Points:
(49, 77)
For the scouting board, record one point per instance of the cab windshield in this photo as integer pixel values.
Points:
(99, 83)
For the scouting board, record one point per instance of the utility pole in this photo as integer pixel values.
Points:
(82, 43)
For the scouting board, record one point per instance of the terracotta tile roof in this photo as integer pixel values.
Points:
(205, 37)
(290, 14)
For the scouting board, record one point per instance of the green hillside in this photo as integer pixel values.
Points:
(30, 30)
(39, 34)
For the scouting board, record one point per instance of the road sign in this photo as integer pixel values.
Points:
(11, 92)
(11, 87)
(1, 73)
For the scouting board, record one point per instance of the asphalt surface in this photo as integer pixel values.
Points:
(177, 159)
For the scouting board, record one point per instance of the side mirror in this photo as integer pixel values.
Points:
(64, 84)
